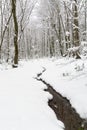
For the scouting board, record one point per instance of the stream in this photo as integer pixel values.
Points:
(63, 109)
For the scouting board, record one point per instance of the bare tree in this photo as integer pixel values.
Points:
(15, 33)
(75, 24)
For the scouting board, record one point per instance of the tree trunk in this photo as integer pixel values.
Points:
(85, 21)
(15, 32)
(76, 25)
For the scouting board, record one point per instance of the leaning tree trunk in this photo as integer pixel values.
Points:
(15, 32)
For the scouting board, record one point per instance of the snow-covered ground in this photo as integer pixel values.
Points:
(69, 77)
(23, 103)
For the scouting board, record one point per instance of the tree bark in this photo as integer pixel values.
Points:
(15, 32)
(76, 25)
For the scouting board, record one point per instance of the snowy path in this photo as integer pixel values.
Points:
(23, 103)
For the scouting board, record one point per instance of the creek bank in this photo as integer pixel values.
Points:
(63, 109)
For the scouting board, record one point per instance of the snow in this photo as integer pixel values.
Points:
(67, 33)
(69, 78)
(23, 103)
(74, 49)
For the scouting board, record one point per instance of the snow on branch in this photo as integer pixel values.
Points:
(74, 52)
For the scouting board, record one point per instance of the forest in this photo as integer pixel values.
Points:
(46, 42)
(42, 28)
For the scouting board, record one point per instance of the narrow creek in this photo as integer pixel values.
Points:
(63, 109)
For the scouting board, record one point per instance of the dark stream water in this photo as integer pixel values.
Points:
(63, 110)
